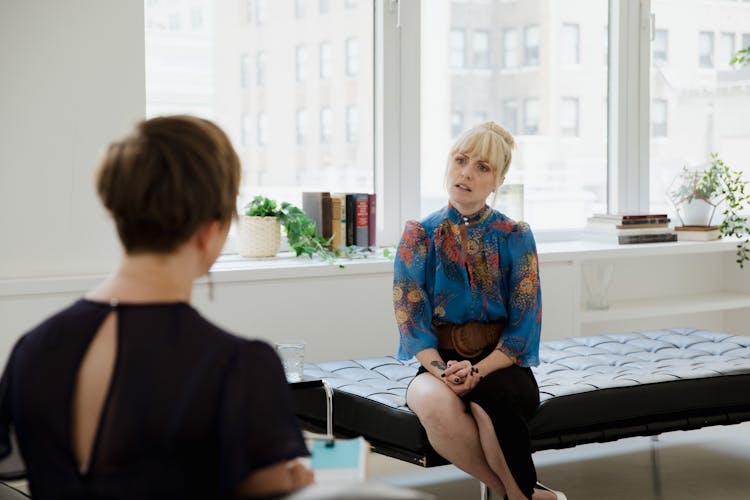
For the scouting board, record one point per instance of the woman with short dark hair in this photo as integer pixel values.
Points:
(129, 392)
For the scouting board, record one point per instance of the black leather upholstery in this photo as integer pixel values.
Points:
(598, 388)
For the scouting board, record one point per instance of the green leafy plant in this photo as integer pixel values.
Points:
(720, 186)
(741, 57)
(300, 229)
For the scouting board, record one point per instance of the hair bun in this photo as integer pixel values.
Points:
(507, 136)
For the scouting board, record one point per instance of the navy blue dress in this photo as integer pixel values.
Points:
(191, 410)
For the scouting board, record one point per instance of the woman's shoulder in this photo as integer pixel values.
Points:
(501, 222)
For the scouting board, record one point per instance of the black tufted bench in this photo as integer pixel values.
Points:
(593, 389)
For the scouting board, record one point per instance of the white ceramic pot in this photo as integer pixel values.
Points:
(258, 236)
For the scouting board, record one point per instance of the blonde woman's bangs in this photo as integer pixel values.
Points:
(485, 145)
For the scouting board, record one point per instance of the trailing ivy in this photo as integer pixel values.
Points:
(736, 203)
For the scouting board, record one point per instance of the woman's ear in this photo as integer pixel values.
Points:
(500, 182)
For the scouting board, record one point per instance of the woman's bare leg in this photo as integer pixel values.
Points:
(450, 429)
(493, 453)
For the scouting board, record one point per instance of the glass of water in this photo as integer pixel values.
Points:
(292, 356)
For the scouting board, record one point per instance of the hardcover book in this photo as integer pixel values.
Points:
(362, 232)
(697, 233)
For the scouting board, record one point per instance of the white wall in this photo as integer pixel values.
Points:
(72, 79)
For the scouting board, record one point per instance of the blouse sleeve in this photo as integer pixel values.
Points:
(257, 426)
(411, 303)
(520, 337)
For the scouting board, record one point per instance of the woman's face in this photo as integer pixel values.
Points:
(470, 182)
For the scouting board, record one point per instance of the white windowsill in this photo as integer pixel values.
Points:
(562, 246)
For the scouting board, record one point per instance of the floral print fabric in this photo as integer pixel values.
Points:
(451, 269)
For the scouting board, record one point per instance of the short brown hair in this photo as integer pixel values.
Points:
(165, 178)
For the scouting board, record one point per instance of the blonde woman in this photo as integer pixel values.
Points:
(468, 305)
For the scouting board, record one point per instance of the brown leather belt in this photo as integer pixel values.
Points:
(468, 339)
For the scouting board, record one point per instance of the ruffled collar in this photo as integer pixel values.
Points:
(469, 220)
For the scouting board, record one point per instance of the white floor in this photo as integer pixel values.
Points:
(709, 464)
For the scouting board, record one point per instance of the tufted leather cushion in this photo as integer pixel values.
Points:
(598, 388)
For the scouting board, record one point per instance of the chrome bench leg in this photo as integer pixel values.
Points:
(484, 491)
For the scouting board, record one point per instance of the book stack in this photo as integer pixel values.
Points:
(632, 228)
(346, 219)
(697, 233)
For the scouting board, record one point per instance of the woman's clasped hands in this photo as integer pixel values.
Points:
(460, 376)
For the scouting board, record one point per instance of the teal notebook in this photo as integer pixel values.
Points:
(345, 460)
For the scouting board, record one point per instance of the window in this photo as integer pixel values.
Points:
(570, 44)
(301, 126)
(510, 48)
(244, 70)
(352, 57)
(564, 181)
(660, 47)
(245, 129)
(326, 55)
(262, 129)
(457, 48)
(248, 11)
(326, 125)
(324, 6)
(702, 107)
(481, 45)
(352, 124)
(530, 116)
(301, 63)
(745, 40)
(510, 115)
(658, 118)
(174, 21)
(350, 4)
(196, 17)
(726, 48)
(457, 124)
(706, 49)
(260, 74)
(531, 45)
(261, 11)
(569, 117)
(299, 8)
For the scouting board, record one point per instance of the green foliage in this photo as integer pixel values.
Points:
(302, 233)
(736, 202)
(300, 229)
(741, 57)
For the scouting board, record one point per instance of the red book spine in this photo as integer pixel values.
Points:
(371, 221)
(362, 215)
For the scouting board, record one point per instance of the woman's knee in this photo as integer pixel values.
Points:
(435, 405)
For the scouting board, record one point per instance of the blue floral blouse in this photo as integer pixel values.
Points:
(451, 269)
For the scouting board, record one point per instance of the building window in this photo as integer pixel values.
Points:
(260, 75)
(244, 70)
(326, 125)
(261, 12)
(299, 8)
(510, 115)
(262, 129)
(569, 117)
(245, 129)
(726, 48)
(248, 11)
(350, 4)
(479, 117)
(570, 44)
(457, 124)
(352, 57)
(326, 56)
(531, 116)
(301, 63)
(174, 22)
(658, 118)
(706, 49)
(352, 124)
(481, 49)
(196, 17)
(745, 40)
(510, 48)
(301, 127)
(458, 48)
(660, 46)
(531, 46)
(324, 6)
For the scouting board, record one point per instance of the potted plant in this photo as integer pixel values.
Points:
(260, 235)
(697, 194)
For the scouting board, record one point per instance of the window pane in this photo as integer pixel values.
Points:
(481, 41)
(458, 48)
(660, 46)
(294, 94)
(698, 104)
(559, 91)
